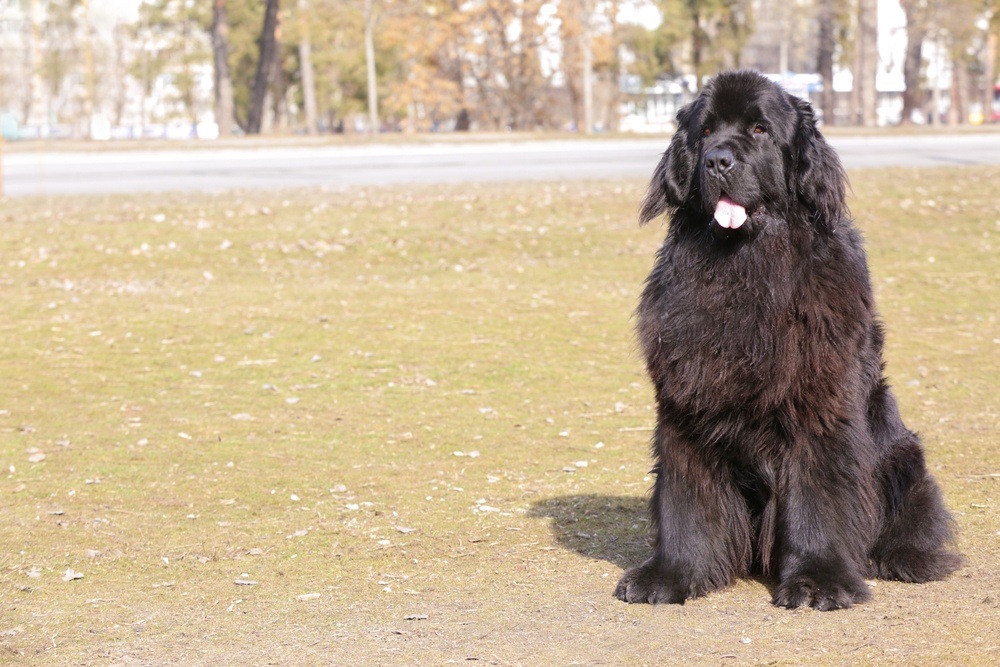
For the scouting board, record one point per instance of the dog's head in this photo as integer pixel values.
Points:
(743, 149)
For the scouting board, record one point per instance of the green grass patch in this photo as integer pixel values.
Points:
(416, 419)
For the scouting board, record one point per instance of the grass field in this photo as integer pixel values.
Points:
(409, 426)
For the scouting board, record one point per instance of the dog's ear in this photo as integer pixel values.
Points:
(819, 178)
(668, 189)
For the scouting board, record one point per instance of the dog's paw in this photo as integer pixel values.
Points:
(823, 593)
(917, 566)
(653, 584)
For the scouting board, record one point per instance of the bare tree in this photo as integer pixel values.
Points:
(59, 57)
(265, 64)
(916, 31)
(278, 90)
(88, 61)
(824, 57)
(33, 63)
(370, 63)
(305, 62)
(119, 72)
(866, 63)
(586, 20)
(220, 59)
(718, 31)
(990, 70)
(962, 36)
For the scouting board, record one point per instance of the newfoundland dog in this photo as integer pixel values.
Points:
(779, 448)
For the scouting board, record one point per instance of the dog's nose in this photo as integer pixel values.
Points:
(719, 161)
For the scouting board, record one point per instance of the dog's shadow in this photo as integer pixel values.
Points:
(611, 528)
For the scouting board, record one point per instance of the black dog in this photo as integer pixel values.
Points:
(779, 447)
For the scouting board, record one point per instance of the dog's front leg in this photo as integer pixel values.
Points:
(701, 527)
(826, 520)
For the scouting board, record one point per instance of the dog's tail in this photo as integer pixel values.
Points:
(768, 525)
(768, 522)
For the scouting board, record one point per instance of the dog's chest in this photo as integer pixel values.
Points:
(722, 330)
(753, 330)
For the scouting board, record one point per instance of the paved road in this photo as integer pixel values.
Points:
(211, 169)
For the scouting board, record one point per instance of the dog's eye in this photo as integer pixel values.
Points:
(759, 129)
(707, 131)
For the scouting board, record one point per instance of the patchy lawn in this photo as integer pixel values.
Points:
(410, 425)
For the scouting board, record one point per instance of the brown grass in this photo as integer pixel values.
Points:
(275, 387)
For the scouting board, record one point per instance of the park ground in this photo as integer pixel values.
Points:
(409, 426)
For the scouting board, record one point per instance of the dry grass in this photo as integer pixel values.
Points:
(274, 387)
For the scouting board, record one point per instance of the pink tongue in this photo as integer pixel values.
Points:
(729, 214)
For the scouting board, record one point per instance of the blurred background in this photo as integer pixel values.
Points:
(126, 69)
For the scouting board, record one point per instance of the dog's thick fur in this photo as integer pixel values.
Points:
(778, 447)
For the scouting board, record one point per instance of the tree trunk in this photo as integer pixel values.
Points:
(824, 58)
(616, 72)
(989, 74)
(34, 62)
(867, 61)
(120, 97)
(575, 101)
(305, 60)
(613, 120)
(958, 102)
(916, 30)
(463, 119)
(370, 63)
(783, 44)
(223, 79)
(187, 91)
(697, 44)
(935, 113)
(279, 84)
(588, 68)
(143, 122)
(89, 103)
(265, 62)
